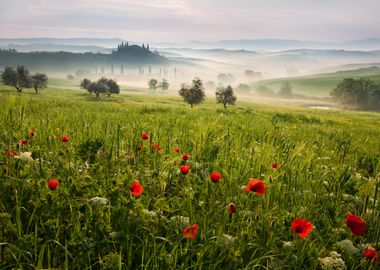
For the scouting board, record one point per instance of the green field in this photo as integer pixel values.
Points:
(329, 167)
(319, 85)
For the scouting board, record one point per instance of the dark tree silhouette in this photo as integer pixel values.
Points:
(225, 95)
(19, 79)
(40, 80)
(193, 94)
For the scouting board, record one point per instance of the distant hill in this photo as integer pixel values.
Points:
(278, 44)
(127, 55)
(319, 85)
(104, 42)
(48, 47)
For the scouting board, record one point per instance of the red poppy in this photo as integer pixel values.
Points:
(371, 254)
(156, 146)
(185, 157)
(302, 227)
(215, 177)
(23, 141)
(31, 133)
(136, 188)
(139, 148)
(185, 169)
(53, 184)
(276, 166)
(356, 224)
(144, 136)
(64, 138)
(176, 149)
(191, 231)
(9, 153)
(232, 208)
(255, 186)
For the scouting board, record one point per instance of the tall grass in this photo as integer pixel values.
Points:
(329, 167)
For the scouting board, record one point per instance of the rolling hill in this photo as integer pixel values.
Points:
(319, 85)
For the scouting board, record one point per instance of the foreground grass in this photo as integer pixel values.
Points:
(329, 167)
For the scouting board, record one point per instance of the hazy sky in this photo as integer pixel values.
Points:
(182, 20)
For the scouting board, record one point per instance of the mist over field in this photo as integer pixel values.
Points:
(180, 134)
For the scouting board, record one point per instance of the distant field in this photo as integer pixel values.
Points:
(327, 165)
(319, 85)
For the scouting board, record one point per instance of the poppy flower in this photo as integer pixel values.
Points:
(53, 184)
(302, 227)
(232, 208)
(184, 169)
(31, 133)
(356, 224)
(64, 138)
(255, 186)
(185, 157)
(276, 166)
(215, 177)
(23, 141)
(191, 231)
(371, 254)
(144, 136)
(9, 153)
(136, 188)
(176, 149)
(139, 148)
(156, 146)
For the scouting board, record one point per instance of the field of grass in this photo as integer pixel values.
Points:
(319, 85)
(329, 167)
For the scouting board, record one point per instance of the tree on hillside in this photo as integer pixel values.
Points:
(152, 83)
(225, 95)
(164, 85)
(193, 94)
(40, 80)
(113, 87)
(19, 78)
(243, 88)
(362, 93)
(226, 78)
(85, 83)
(97, 88)
(286, 90)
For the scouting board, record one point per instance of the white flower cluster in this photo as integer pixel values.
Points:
(183, 221)
(334, 262)
(26, 156)
(225, 240)
(98, 201)
(347, 246)
(148, 213)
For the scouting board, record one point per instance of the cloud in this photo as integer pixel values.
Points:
(163, 20)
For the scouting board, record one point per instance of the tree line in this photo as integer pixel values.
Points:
(21, 78)
(361, 93)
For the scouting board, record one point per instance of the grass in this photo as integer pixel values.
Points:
(319, 85)
(329, 167)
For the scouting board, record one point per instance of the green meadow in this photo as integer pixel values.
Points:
(329, 167)
(319, 85)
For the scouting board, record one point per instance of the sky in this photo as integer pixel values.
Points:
(184, 20)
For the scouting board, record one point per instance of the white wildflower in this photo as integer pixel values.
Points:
(27, 156)
(347, 246)
(98, 201)
(148, 213)
(184, 221)
(225, 241)
(334, 262)
(287, 245)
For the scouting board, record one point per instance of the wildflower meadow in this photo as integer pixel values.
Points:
(139, 182)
